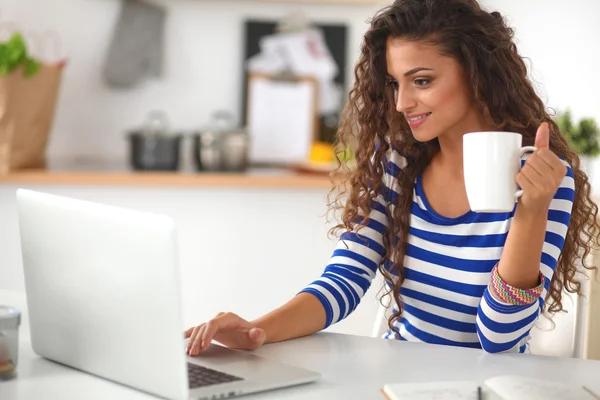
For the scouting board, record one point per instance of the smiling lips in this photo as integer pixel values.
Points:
(416, 120)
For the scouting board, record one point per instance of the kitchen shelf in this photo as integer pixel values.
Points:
(259, 178)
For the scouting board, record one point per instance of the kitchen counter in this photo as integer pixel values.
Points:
(116, 176)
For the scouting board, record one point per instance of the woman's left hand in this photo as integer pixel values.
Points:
(541, 175)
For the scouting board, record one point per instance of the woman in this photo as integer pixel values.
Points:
(429, 72)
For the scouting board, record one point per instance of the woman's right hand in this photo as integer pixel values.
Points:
(228, 329)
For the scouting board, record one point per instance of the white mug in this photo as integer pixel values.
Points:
(491, 162)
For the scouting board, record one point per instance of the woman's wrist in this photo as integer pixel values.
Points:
(509, 294)
(531, 216)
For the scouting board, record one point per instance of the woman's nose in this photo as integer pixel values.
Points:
(405, 101)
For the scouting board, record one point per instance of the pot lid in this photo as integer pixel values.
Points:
(222, 122)
(156, 123)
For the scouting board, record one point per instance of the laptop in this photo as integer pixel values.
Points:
(103, 294)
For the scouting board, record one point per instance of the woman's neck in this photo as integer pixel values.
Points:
(450, 155)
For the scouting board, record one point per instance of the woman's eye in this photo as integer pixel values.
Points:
(422, 82)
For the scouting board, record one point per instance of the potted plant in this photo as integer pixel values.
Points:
(582, 136)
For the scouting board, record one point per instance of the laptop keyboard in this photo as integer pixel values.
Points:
(201, 376)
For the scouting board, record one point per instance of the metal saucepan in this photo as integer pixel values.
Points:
(222, 146)
(153, 147)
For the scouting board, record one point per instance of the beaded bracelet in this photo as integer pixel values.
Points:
(513, 295)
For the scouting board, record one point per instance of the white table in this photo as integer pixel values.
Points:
(353, 367)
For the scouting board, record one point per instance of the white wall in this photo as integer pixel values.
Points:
(560, 39)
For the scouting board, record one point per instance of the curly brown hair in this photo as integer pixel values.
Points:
(483, 45)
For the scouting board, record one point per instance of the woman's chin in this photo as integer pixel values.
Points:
(423, 136)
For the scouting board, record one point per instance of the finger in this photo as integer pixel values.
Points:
(199, 330)
(257, 336)
(552, 169)
(197, 345)
(524, 182)
(540, 165)
(252, 339)
(187, 333)
(542, 136)
(553, 161)
(225, 321)
(193, 336)
(534, 177)
(548, 156)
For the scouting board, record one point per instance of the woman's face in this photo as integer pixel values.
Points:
(430, 90)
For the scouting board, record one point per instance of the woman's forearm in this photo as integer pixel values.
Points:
(301, 316)
(520, 262)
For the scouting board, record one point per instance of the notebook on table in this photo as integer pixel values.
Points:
(505, 387)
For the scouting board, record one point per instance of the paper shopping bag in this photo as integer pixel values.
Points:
(27, 106)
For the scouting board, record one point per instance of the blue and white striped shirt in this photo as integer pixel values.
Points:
(448, 266)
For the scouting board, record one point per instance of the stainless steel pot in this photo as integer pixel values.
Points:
(222, 147)
(207, 151)
(235, 146)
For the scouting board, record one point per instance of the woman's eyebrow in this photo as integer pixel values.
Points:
(415, 70)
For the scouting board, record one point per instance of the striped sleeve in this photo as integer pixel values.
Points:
(503, 327)
(354, 262)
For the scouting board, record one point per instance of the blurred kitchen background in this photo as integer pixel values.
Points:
(230, 108)
(186, 59)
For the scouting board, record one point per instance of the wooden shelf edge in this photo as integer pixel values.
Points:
(173, 179)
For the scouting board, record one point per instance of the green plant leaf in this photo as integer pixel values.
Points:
(583, 136)
(13, 54)
(31, 67)
(17, 50)
(564, 122)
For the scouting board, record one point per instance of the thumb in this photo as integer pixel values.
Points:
(542, 137)
(257, 335)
